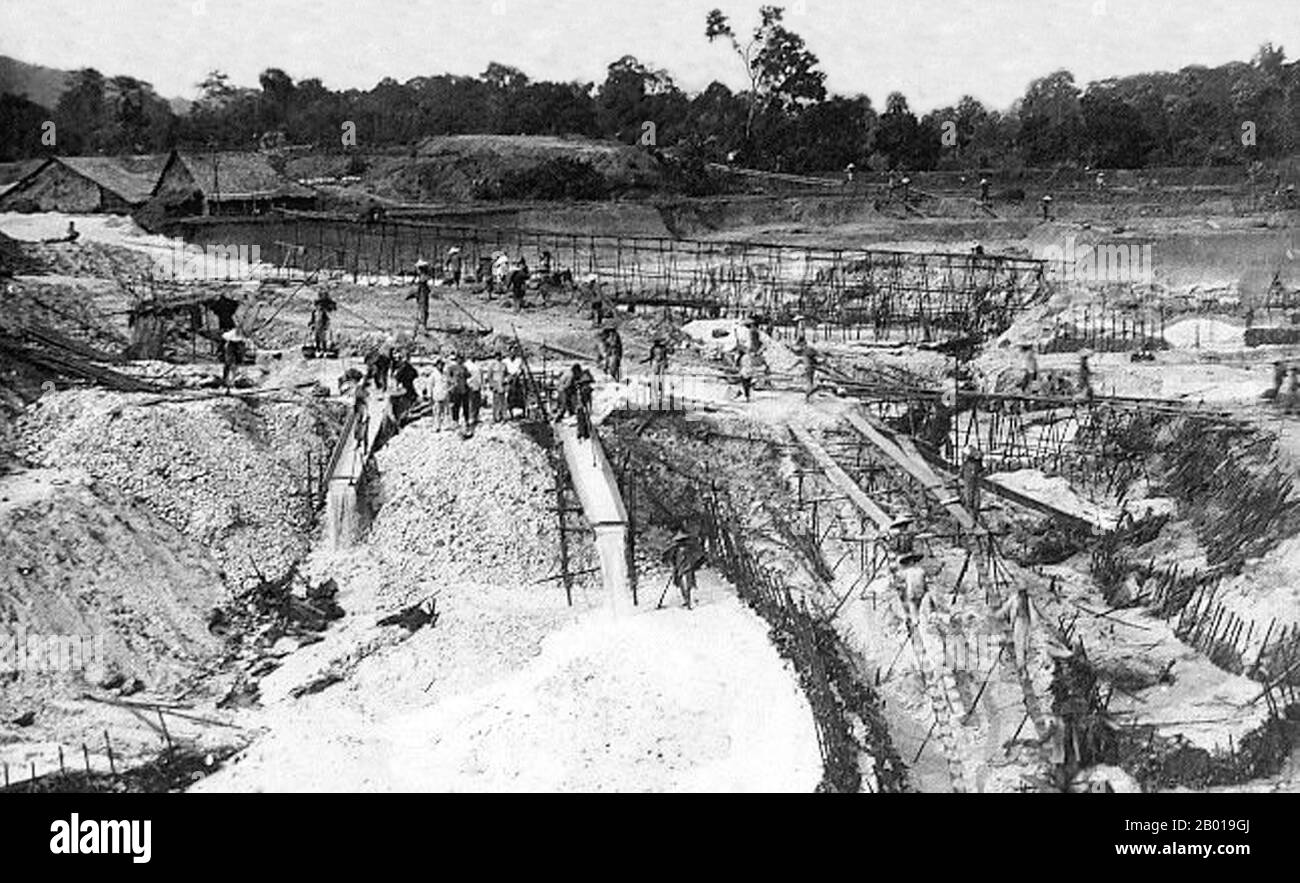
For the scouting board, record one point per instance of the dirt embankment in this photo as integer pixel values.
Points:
(81, 559)
(458, 167)
(227, 473)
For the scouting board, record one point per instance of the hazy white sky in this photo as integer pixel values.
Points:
(931, 50)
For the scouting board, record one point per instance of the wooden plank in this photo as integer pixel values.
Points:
(904, 453)
(841, 479)
(1028, 502)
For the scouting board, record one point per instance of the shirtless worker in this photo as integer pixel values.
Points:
(1022, 615)
(914, 588)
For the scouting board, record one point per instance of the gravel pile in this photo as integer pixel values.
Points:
(223, 473)
(477, 509)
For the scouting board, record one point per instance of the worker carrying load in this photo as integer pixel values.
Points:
(684, 557)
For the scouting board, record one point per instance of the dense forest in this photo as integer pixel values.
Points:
(784, 121)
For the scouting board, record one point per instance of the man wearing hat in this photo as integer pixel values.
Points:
(453, 266)
(902, 532)
(319, 323)
(914, 588)
(421, 294)
(232, 353)
(1047, 207)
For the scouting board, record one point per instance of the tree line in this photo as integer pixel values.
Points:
(785, 120)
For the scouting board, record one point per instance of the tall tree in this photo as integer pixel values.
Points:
(782, 72)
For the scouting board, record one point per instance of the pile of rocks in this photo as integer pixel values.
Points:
(218, 470)
(477, 509)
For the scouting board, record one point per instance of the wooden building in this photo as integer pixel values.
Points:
(85, 184)
(228, 183)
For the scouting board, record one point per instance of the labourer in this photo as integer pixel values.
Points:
(232, 354)
(421, 295)
(458, 389)
(594, 299)
(379, 361)
(361, 421)
(972, 466)
(438, 393)
(685, 556)
(849, 171)
(914, 585)
(453, 266)
(575, 398)
(610, 345)
(1029, 370)
(495, 377)
(500, 270)
(905, 184)
(658, 360)
(486, 276)
(750, 339)
(1085, 376)
(474, 381)
(224, 308)
(810, 359)
(319, 323)
(405, 375)
(800, 332)
(518, 281)
(752, 367)
(1047, 207)
(1022, 615)
(1292, 401)
(1279, 376)
(515, 400)
(984, 191)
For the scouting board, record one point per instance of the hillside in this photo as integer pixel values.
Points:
(44, 85)
(41, 84)
(458, 167)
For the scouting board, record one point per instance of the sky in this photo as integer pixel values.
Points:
(933, 51)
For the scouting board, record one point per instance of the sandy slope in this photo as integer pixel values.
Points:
(665, 700)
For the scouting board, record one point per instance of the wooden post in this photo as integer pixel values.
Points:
(108, 746)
